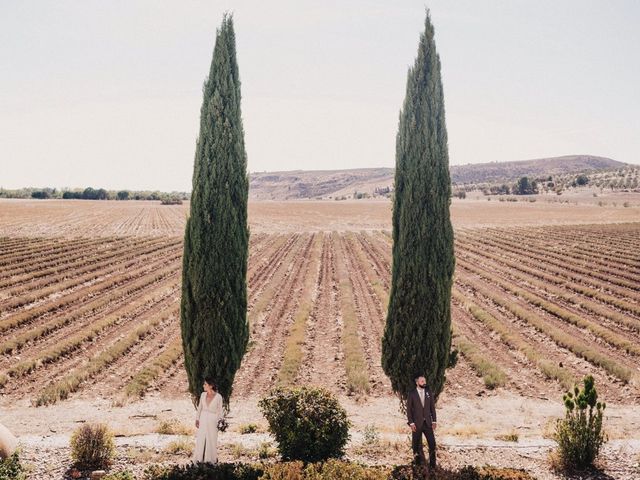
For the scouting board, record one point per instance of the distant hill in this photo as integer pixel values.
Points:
(540, 167)
(299, 184)
(317, 183)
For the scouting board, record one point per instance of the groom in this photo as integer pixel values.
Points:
(421, 417)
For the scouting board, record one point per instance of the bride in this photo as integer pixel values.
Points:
(208, 413)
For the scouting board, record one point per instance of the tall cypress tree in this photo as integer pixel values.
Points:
(216, 241)
(417, 336)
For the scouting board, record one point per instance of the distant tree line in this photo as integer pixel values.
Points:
(623, 179)
(89, 193)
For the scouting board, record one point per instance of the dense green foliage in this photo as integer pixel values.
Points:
(11, 468)
(168, 200)
(582, 180)
(308, 423)
(92, 446)
(216, 242)
(417, 336)
(524, 186)
(205, 471)
(40, 194)
(580, 434)
(88, 194)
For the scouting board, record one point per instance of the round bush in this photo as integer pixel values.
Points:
(11, 469)
(92, 446)
(308, 423)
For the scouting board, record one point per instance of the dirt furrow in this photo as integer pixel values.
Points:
(86, 334)
(587, 278)
(267, 266)
(622, 310)
(67, 281)
(605, 316)
(580, 265)
(380, 264)
(323, 361)
(116, 376)
(51, 373)
(173, 383)
(523, 377)
(370, 317)
(601, 257)
(12, 247)
(609, 238)
(547, 347)
(596, 246)
(260, 366)
(57, 255)
(82, 297)
(37, 276)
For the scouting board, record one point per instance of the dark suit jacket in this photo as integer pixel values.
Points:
(418, 414)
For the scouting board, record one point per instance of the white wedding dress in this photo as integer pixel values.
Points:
(207, 436)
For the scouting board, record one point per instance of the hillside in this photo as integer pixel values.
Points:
(539, 167)
(300, 184)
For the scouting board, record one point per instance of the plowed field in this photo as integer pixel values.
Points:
(534, 309)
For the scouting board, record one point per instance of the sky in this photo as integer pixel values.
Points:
(107, 93)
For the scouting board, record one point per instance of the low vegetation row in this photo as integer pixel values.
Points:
(93, 293)
(560, 337)
(550, 283)
(90, 193)
(312, 430)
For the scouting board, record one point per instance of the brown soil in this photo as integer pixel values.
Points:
(300, 252)
(323, 362)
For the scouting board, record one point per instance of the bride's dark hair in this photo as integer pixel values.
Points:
(210, 381)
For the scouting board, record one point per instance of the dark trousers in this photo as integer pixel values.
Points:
(416, 443)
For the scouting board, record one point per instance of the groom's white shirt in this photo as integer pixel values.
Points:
(421, 394)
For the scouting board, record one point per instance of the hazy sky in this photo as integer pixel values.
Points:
(107, 93)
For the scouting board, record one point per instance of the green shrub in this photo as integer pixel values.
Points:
(371, 435)
(494, 473)
(180, 447)
(92, 446)
(508, 437)
(580, 434)
(171, 200)
(329, 470)
(248, 428)
(266, 450)
(308, 423)
(204, 471)
(173, 427)
(119, 476)
(11, 469)
(238, 450)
